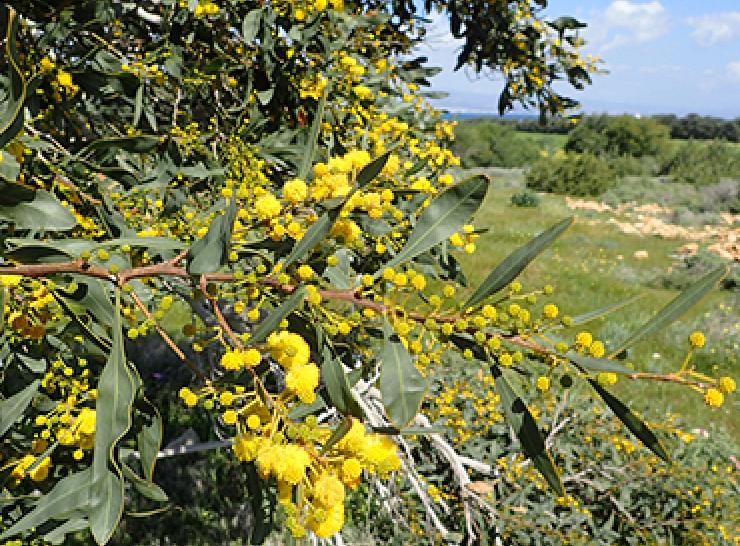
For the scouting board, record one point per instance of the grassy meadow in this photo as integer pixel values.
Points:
(594, 265)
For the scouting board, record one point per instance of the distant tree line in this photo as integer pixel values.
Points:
(692, 126)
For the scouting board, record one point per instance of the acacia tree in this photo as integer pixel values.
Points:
(263, 188)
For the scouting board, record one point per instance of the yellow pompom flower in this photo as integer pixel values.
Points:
(10, 280)
(231, 360)
(230, 417)
(305, 272)
(584, 340)
(550, 311)
(696, 340)
(292, 463)
(328, 491)
(351, 471)
(726, 384)
(288, 349)
(543, 383)
(596, 349)
(267, 206)
(303, 380)
(295, 191)
(714, 398)
(246, 447)
(325, 523)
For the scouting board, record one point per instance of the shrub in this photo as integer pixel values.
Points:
(486, 143)
(702, 163)
(525, 199)
(617, 135)
(571, 174)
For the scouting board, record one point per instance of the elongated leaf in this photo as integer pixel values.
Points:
(134, 143)
(526, 430)
(70, 493)
(11, 409)
(603, 311)
(597, 365)
(443, 217)
(209, 253)
(272, 321)
(633, 423)
(335, 380)
(340, 432)
(146, 487)
(313, 137)
(38, 210)
(116, 393)
(251, 25)
(11, 120)
(371, 170)
(677, 307)
(73, 525)
(402, 387)
(313, 236)
(514, 263)
(149, 440)
(158, 243)
(106, 506)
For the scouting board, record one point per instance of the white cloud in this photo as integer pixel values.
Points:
(733, 70)
(714, 28)
(629, 23)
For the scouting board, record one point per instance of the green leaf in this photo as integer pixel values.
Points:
(9, 167)
(340, 393)
(116, 392)
(146, 487)
(154, 243)
(313, 236)
(11, 409)
(70, 493)
(133, 144)
(251, 25)
(402, 387)
(633, 423)
(149, 439)
(443, 217)
(58, 535)
(598, 365)
(33, 209)
(514, 263)
(272, 321)
(677, 307)
(338, 433)
(603, 311)
(11, 119)
(313, 137)
(526, 430)
(339, 275)
(209, 253)
(371, 170)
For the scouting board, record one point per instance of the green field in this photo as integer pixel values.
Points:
(585, 268)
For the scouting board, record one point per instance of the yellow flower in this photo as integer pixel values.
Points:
(550, 311)
(10, 280)
(325, 523)
(696, 340)
(583, 340)
(714, 398)
(351, 470)
(288, 349)
(230, 417)
(726, 384)
(292, 464)
(295, 191)
(231, 360)
(597, 349)
(303, 380)
(328, 491)
(64, 79)
(305, 272)
(246, 447)
(543, 383)
(267, 206)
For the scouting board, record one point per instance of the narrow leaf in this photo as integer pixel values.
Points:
(443, 217)
(40, 210)
(70, 493)
(598, 365)
(633, 423)
(677, 307)
(603, 311)
(402, 387)
(313, 137)
(514, 263)
(209, 253)
(335, 380)
(313, 236)
(11, 409)
(526, 430)
(371, 170)
(272, 321)
(340, 432)
(11, 120)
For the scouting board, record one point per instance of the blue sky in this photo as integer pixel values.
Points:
(663, 56)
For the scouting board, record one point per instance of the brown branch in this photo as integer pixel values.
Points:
(167, 339)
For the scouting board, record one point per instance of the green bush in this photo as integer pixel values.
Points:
(486, 143)
(572, 174)
(702, 163)
(525, 199)
(617, 135)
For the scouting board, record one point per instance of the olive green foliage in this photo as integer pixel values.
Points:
(617, 135)
(525, 199)
(572, 174)
(702, 163)
(487, 143)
